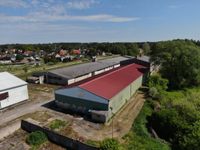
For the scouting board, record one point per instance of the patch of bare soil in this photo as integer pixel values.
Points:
(41, 92)
(51, 146)
(16, 141)
(40, 116)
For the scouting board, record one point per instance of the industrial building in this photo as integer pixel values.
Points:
(105, 95)
(146, 61)
(70, 75)
(12, 90)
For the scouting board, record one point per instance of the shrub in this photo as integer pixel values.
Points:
(36, 138)
(158, 82)
(153, 92)
(19, 57)
(109, 144)
(56, 124)
(139, 138)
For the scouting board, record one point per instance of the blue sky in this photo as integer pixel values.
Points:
(45, 21)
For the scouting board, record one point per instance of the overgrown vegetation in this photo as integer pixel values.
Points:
(139, 138)
(176, 116)
(35, 139)
(93, 143)
(157, 84)
(57, 124)
(178, 120)
(110, 144)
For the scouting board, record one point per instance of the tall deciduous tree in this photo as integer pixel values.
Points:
(180, 62)
(146, 47)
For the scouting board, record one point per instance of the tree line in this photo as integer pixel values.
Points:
(128, 48)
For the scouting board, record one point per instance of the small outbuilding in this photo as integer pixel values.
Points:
(12, 90)
(37, 78)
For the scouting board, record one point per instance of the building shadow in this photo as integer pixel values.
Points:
(52, 106)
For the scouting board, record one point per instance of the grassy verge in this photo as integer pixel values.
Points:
(93, 143)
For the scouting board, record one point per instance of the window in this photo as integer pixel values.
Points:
(3, 96)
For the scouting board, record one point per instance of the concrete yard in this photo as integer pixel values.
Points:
(10, 118)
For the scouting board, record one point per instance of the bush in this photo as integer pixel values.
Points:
(158, 82)
(36, 138)
(56, 124)
(19, 57)
(109, 144)
(178, 119)
(153, 92)
(50, 63)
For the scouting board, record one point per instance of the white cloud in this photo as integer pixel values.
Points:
(13, 3)
(175, 6)
(81, 4)
(35, 2)
(53, 11)
(103, 18)
(59, 16)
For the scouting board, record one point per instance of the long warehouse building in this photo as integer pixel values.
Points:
(70, 75)
(104, 96)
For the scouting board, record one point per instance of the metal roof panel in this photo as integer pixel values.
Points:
(109, 85)
(8, 81)
(80, 93)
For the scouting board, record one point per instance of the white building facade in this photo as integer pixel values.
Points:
(12, 90)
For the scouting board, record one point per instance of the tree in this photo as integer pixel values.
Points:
(191, 139)
(180, 62)
(132, 49)
(156, 81)
(153, 92)
(19, 57)
(146, 47)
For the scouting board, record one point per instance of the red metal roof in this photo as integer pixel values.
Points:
(107, 86)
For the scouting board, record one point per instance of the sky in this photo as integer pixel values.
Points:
(47, 21)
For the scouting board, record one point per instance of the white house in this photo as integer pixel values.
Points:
(12, 90)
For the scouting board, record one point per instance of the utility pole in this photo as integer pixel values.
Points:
(112, 119)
